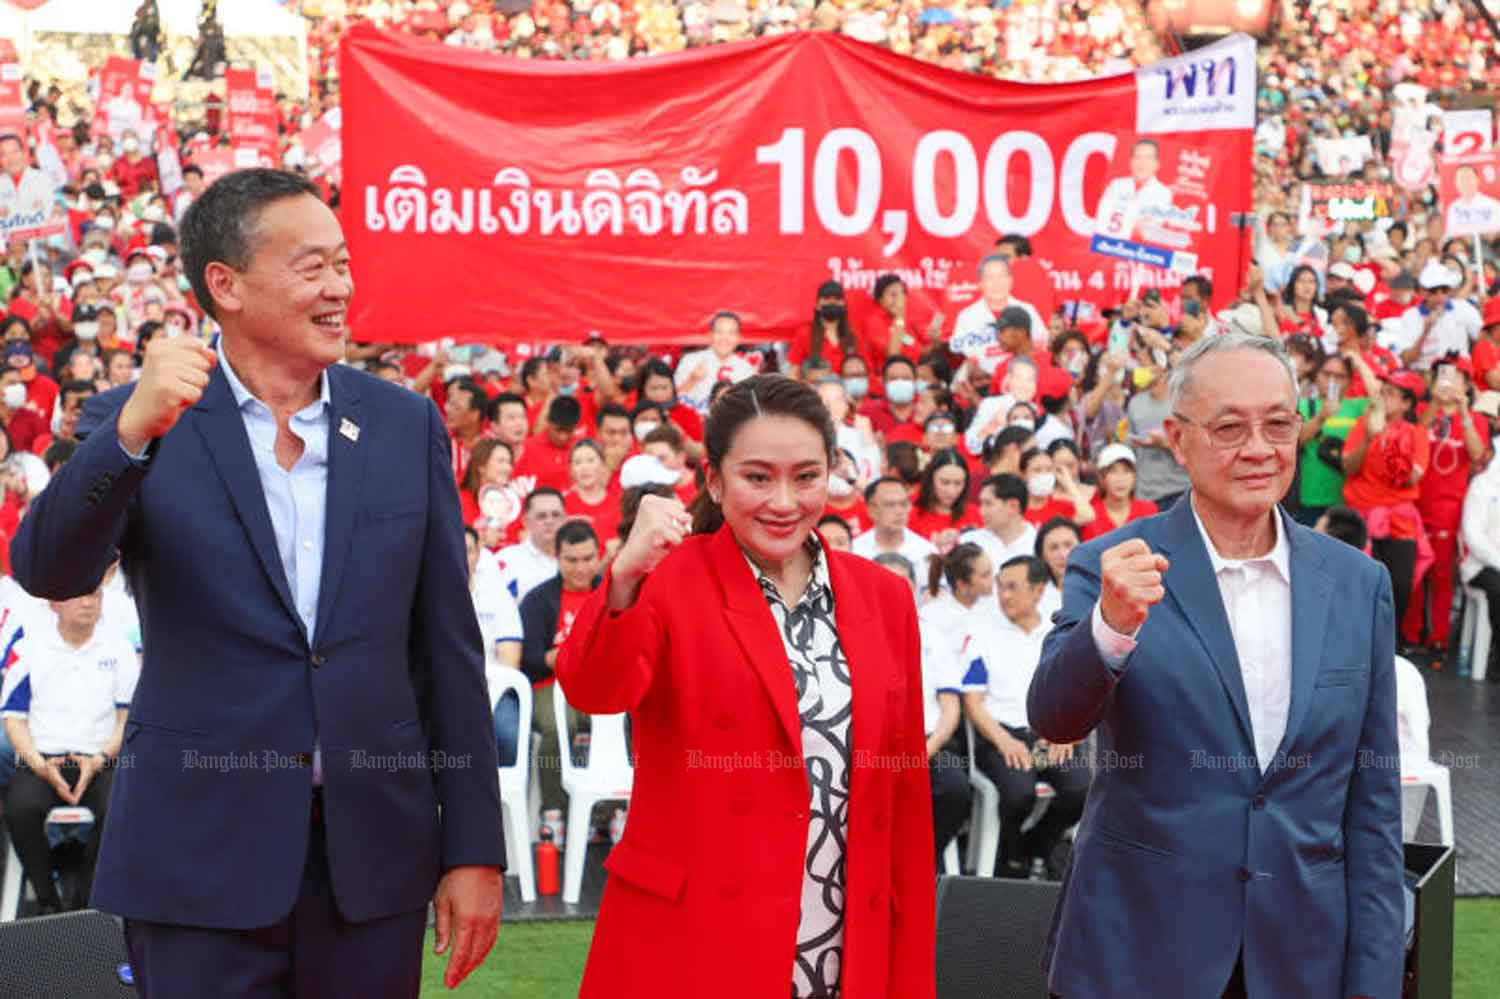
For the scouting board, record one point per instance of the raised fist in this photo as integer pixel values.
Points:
(1130, 583)
(173, 376)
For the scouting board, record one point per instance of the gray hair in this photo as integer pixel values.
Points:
(993, 258)
(1182, 375)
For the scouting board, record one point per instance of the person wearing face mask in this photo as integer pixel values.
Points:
(829, 334)
(1044, 478)
(133, 170)
(41, 390)
(898, 408)
(844, 499)
(856, 375)
(23, 426)
(1018, 384)
(85, 338)
(1162, 479)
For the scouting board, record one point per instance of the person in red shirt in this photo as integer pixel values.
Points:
(898, 407)
(593, 499)
(547, 457)
(1403, 294)
(133, 171)
(1460, 444)
(829, 335)
(1486, 350)
(536, 389)
(1115, 504)
(891, 330)
(22, 426)
(1356, 343)
(659, 387)
(466, 411)
(942, 509)
(490, 464)
(41, 391)
(1041, 482)
(667, 446)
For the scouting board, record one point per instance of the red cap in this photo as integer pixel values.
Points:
(1053, 383)
(1409, 380)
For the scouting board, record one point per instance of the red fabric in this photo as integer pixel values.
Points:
(883, 420)
(603, 517)
(907, 432)
(1054, 507)
(686, 491)
(132, 176)
(800, 348)
(650, 660)
(24, 428)
(688, 421)
(929, 523)
(1040, 358)
(1446, 480)
(567, 614)
(1486, 358)
(875, 336)
(855, 513)
(1433, 591)
(469, 505)
(1377, 484)
(462, 451)
(1380, 363)
(41, 397)
(1102, 524)
(545, 460)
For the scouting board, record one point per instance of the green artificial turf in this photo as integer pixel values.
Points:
(545, 960)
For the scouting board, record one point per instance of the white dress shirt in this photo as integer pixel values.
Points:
(1455, 331)
(524, 567)
(997, 548)
(916, 549)
(1257, 595)
(68, 695)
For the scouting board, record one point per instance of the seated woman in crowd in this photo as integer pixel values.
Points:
(942, 510)
(1055, 540)
(591, 498)
(1115, 504)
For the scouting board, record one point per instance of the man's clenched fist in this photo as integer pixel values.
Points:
(1130, 582)
(173, 376)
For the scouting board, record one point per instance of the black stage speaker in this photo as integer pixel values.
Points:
(990, 937)
(1429, 959)
(74, 955)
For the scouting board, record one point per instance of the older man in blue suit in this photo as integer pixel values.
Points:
(1243, 837)
(308, 758)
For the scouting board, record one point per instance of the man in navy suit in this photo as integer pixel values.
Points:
(312, 685)
(1243, 834)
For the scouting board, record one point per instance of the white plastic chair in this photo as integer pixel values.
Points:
(516, 783)
(1419, 774)
(950, 857)
(14, 888)
(607, 777)
(1476, 632)
(984, 819)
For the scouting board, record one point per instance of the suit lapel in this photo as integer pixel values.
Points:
(346, 473)
(1311, 597)
(223, 431)
(753, 626)
(1191, 582)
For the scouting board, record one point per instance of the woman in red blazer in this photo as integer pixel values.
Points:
(780, 830)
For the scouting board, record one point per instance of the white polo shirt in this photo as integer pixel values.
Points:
(1455, 331)
(68, 696)
(916, 549)
(943, 622)
(499, 620)
(999, 659)
(995, 546)
(524, 568)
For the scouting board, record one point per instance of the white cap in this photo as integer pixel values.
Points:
(1342, 270)
(1435, 275)
(1113, 453)
(646, 470)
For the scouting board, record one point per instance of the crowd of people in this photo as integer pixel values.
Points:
(972, 475)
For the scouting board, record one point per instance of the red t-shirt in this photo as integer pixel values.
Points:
(546, 461)
(24, 428)
(876, 337)
(688, 421)
(883, 420)
(1486, 358)
(929, 523)
(1372, 486)
(1102, 524)
(856, 514)
(130, 176)
(41, 397)
(1381, 363)
(1446, 481)
(603, 517)
(1054, 507)
(572, 603)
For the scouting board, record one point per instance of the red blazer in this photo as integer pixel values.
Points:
(705, 887)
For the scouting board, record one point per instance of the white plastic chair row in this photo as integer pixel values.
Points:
(516, 786)
(1419, 774)
(984, 819)
(1476, 632)
(608, 776)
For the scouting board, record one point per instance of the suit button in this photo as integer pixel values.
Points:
(739, 806)
(317, 659)
(1244, 874)
(731, 890)
(1260, 801)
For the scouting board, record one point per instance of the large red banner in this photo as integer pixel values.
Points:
(252, 111)
(498, 199)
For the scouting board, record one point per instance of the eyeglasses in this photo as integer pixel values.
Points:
(941, 428)
(1279, 429)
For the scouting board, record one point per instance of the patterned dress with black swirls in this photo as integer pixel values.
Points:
(820, 673)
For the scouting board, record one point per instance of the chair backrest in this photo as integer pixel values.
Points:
(508, 678)
(1412, 717)
(991, 933)
(607, 752)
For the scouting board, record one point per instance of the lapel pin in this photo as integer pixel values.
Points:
(349, 429)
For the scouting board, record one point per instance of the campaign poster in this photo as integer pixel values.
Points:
(1469, 187)
(1156, 202)
(1344, 156)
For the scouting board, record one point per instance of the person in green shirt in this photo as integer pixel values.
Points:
(1327, 418)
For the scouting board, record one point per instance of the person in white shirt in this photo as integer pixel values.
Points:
(999, 658)
(992, 415)
(1130, 204)
(1006, 532)
(26, 193)
(700, 370)
(1472, 213)
(1055, 541)
(889, 506)
(500, 631)
(1481, 566)
(64, 700)
(975, 333)
(533, 561)
(967, 598)
(1440, 325)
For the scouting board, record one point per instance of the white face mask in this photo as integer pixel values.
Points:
(86, 331)
(153, 213)
(130, 145)
(138, 273)
(453, 371)
(1041, 484)
(1024, 423)
(14, 395)
(839, 487)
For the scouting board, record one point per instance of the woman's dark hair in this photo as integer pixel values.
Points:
(653, 368)
(937, 360)
(630, 504)
(906, 458)
(756, 396)
(574, 531)
(1345, 523)
(589, 443)
(1045, 531)
(1064, 444)
(478, 458)
(927, 495)
(956, 566)
(10, 321)
(1287, 294)
(220, 224)
(882, 283)
(1060, 344)
(847, 342)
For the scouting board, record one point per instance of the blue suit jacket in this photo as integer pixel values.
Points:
(1186, 852)
(209, 814)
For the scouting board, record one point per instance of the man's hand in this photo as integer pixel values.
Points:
(468, 917)
(1059, 753)
(1016, 753)
(173, 377)
(89, 764)
(660, 525)
(47, 770)
(1131, 582)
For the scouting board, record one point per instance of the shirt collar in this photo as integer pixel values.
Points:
(815, 583)
(243, 395)
(1279, 556)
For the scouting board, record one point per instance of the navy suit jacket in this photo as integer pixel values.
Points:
(209, 815)
(1186, 852)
